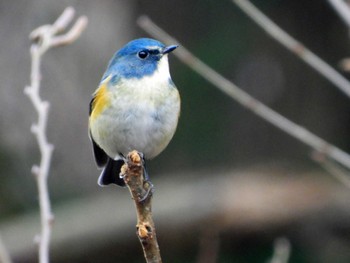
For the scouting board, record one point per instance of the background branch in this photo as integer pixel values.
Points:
(233, 91)
(145, 229)
(338, 172)
(343, 10)
(294, 46)
(43, 39)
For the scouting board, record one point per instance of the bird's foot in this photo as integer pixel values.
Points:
(149, 191)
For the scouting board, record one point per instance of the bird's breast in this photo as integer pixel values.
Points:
(142, 114)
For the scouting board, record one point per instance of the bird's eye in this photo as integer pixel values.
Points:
(143, 54)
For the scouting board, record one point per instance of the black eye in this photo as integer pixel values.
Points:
(143, 54)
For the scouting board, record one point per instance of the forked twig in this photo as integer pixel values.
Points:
(43, 39)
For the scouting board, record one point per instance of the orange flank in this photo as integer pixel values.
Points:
(101, 99)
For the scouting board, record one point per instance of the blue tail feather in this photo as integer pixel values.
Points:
(111, 173)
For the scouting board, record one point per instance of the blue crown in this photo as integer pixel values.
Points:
(126, 62)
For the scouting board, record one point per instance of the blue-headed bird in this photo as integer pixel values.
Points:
(135, 107)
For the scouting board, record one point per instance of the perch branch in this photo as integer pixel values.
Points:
(43, 39)
(294, 46)
(145, 229)
(246, 100)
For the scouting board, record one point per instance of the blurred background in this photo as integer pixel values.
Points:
(228, 185)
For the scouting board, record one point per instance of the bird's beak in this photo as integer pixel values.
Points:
(168, 49)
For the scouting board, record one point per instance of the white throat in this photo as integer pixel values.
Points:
(162, 73)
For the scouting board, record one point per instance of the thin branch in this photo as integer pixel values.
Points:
(132, 172)
(338, 172)
(73, 34)
(281, 251)
(294, 46)
(246, 100)
(342, 9)
(43, 39)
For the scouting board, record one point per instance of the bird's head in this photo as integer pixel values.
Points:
(139, 58)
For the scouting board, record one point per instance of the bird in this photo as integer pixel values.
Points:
(135, 107)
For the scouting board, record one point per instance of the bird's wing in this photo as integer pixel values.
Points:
(101, 157)
(98, 102)
(101, 99)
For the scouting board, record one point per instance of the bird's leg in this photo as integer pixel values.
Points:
(121, 175)
(150, 188)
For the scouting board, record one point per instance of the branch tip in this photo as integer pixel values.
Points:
(63, 20)
(135, 157)
(73, 34)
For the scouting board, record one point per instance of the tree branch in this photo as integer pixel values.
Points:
(332, 168)
(246, 100)
(145, 229)
(343, 10)
(43, 39)
(294, 46)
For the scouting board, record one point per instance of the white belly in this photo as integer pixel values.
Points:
(142, 118)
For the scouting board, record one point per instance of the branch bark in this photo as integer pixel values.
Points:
(141, 192)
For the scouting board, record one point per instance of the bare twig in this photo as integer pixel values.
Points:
(281, 251)
(146, 231)
(343, 10)
(43, 39)
(4, 255)
(338, 172)
(246, 100)
(294, 46)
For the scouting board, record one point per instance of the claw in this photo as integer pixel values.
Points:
(149, 192)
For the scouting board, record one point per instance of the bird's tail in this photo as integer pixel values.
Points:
(110, 174)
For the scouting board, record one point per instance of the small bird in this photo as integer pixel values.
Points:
(135, 107)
